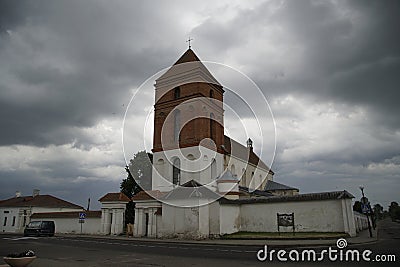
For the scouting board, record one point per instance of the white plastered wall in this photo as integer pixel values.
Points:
(195, 165)
(309, 216)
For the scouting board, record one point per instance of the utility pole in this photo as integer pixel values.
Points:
(364, 201)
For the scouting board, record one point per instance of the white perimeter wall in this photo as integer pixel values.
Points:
(177, 221)
(309, 216)
(230, 219)
(361, 221)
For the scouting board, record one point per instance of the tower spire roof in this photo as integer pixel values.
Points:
(188, 56)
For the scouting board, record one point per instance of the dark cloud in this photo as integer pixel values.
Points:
(351, 51)
(69, 65)
(77, 193)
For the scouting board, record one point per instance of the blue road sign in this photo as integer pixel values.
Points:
(82, 215)
(366, 208)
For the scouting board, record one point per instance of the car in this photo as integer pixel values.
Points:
(38, 228)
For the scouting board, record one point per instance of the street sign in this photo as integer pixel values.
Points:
(82, 216)
(285, 220)
(366, 208)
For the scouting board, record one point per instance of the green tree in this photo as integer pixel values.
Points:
(394, 211)
(378, 211)
(138, 178)
(357, 206)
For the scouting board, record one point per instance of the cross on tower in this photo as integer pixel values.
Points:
(188, 41)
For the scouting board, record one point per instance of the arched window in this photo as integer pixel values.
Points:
(213, 169)
(233, 170)
(177, 124)
(211, 94)
(177, 92)
(176, 172)
(243, 177)
(212, 126)
(160, 167)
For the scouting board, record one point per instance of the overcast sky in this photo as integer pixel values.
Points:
(329, 69)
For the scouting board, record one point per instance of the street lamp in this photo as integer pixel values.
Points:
(364, 202)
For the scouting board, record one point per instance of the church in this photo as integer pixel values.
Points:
(205, 184)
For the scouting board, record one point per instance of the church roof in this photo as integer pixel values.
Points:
(300, 197)
(188, 56)
(255, 193)
(114, 197)
(47, 201)
(192, 183)
(238, 150)
(192, 71)
(191, 190)
(271, 186)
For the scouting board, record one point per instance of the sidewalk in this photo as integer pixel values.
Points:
(361, 238)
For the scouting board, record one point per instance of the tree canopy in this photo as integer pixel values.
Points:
(357, 206)
(394, 211)
(139, 174)
(138, 179)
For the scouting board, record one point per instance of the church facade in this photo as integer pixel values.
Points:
(206, 184)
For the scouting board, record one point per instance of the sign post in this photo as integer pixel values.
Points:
(285, 220)
(82, 217)
(366, 207)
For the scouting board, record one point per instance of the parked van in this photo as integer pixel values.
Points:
(38, 228)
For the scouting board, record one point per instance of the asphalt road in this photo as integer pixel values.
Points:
(87, 251)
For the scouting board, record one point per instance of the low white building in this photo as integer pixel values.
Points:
(15, 212)
(70, 223)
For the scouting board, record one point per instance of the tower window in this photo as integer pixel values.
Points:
(212, 126)
(213, 169)
(177, 124)
(176, 172)
(211, 94)
(177, 92)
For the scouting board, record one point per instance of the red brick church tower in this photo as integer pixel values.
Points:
(188, 124)
(188, 111)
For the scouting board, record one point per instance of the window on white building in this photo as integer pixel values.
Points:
(176, 172)
(177, 124)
